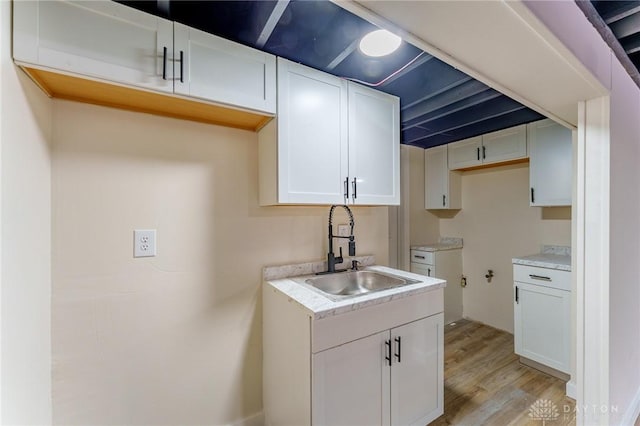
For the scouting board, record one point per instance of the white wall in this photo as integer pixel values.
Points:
(25, 260)
(497, 224)
(174, 339)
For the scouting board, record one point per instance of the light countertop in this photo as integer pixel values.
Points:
(320, 306)
(445, 243)
(545, 260)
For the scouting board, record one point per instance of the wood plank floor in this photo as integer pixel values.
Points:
(485, 383)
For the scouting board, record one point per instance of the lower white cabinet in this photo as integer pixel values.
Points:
(353, 383)
(446, 265)
(379, 365)
(542, 316)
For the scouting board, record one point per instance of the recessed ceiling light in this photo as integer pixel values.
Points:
(379, 43)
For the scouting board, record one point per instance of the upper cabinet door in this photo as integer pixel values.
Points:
(503, 145)
(374, 146)
(465, 153)
(550, 166)
(436, 173)
(212, 68)
(104, 40)
(312, 132)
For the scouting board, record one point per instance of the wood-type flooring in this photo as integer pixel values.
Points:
(485, 383)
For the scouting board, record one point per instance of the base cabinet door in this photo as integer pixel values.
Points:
(95, 38)
(422, 269)
(542, 325)
(350, 383)
(417, 372)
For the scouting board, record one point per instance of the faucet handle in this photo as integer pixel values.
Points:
(340, 259)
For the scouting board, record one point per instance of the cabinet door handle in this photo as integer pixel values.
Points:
(539, 277)
(418, 256)
(517, 295)
(478, 152)
(484, 152)
(355, 189)
(428, 272)
(533, 198)
(444, 200)
(164, 63)
(346, 190)
(399, 346)
(181, 66)
(387, 343)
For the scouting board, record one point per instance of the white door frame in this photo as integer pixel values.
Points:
(590, 213)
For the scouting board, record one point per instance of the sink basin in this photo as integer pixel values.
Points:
(354, 283)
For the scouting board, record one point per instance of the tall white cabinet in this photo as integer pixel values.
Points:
(333, 142)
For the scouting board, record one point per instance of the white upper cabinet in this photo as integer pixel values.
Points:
(496, 147)
(333, 142)
(465, 153)
(213, 68)
(504, 145)
(104, 41)
(311, 138)
(442, 187)
(550, 166)
(98, 39)
(374, 146)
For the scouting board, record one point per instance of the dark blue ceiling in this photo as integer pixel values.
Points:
(439, 104)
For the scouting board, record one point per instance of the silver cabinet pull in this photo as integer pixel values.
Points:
(346, 190)
(355, 189)
(539, 277)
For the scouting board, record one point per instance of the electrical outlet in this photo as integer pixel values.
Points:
(144, 242)
(344, 230)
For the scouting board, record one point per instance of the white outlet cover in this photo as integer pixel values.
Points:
(344, 230)
(144, 243)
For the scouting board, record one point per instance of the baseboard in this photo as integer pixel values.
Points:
(571, 390)
(254, 420)
(633, 411)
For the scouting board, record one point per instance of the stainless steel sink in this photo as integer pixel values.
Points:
(354, 283)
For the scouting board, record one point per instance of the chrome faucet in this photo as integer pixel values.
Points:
(331, 257)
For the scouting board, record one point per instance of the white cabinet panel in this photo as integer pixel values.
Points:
(442, 187)
(465, 153)
(504, 145)
(335, 143)
(212, 68)
(312, 135)
(374, 146)
(542, 325)
(417, 372)
(550, 166)
(351, 383)
(98, 39)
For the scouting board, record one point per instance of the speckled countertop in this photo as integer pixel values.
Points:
(445, 243)
(552, 257)
(320, 306)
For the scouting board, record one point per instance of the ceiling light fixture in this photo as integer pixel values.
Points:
(379, 43)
